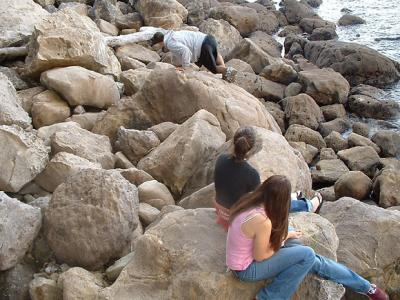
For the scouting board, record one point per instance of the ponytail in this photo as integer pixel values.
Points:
(243, 142)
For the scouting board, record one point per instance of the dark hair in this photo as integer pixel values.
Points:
(243, 141)
(157, 38)
(274, 195)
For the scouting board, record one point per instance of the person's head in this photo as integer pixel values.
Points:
(274, 195)
(158, 37)
(243, 141)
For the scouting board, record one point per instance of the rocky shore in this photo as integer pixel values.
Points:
(107, 153)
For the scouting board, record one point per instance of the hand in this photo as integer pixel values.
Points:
(294, 234)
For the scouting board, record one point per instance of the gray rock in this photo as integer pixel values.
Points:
(361, 129)
(14, 283)
(327, 153)
(335, 141)
(276, 111)
(368, 107)
(296, 11)
(354, 184)
(333, 111)
(44, 289)
(361, 158)
(300, 133)
(155, 194)
(388, 141)
(293, 89)
(387, 187)
(281, 73)
(355, 139)
(14, 78)
(114, 270)
(147, 213)
(328, 193)
(328, 171)
(347, 20)
(200, 199)
(339, 125)
(324, 34)
(308, 152)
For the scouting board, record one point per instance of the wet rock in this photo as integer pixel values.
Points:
(155, 194)
(347, 20)
(328, 171)
(357, 140)
(300, 133)
(339, 125)
(289, 30)
(388, 141)
(361, 129)
(275, 110)
(293, 89)
(281, 73)
(240, 65)
(387, 188)
(72, 228)
(296, 11)
(361, 158)
(335, 141)
(368, 107)
(333, 111)
(137, 52)
(327, 153)
(308, 152)
(323, 34)
(354, 184)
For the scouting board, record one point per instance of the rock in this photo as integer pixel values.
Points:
(164, 130)
(309, 24)
(323, 34)
(361, 129)
(48, 108)
(325, 86)
(390, 163)
(147, 213)
(296, 11)
(388, 141)
(14, 283)
(347, 19)
(275, 110)
(335, 141)
(44, 289)
(134, 80)
(357, 63)
(268, 22)
(190, 144)
(155, 194)
(17, 20)
(333, 111)
(62, 166)
(106, 10)
(73, 228)
(136, 144)
(377, 238)
(240, 65)
(197, 10)
(339, 125)
(14, 78)
(137, 52)
(168, 95)
(293, 89)
(368, 107)
(26, 97)
(281, 73)
(328, 171)
(80, 86)
(314, 3)
(168, 14)
(202, 198)
(244, 19)
(354, 184)
(107, 27)
(300, 133)
(122, 162)
(226, 35)
(308, 152)
(267, 43)
(327, 153)
(78, 283)
(19, 223)
(46, 132)
(23, 157)
(355, 139)
(128, 63)
(131, 21)
(11, 111)
(251, 53)
(113, 271)
(361, 158)
(64, 30)
(79, 8)
(159, 66)
(289, 30)
(94, 147)
(204, 266)
(386, 188)
(328, 193)
(303, 110)
(86, 120)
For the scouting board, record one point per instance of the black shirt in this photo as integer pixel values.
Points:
(233, 179)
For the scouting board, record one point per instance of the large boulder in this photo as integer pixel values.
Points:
(309, 24)
(227, 36)
(282, 73)
(308, 152)
(168, 14)
(333, 111)
(155, 194)
(347, 20)
(133, 80)
(267, 43)
(360, 158)
(375, 253)
(80, 86)
(44, 289)
(388, 141)
(300, 133)
(168, 95)
(357, 63)
(295, 11)
(94, 147)
(335, 141)
(187, 148)
(328, 171)
(340, 125)
(11, 110)
(138, 52)
(369, 107)
(17, 20)
(23, 157)
(325, 86)
(386, 187)
(355, 140)
(354, 184)
(19, 225)
(276, 111)
(87, 223)
(197, 10)
(190, 261)
(66, 38)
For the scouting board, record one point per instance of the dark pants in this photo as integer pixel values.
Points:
(208, 55)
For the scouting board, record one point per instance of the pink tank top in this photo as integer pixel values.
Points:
(239, 248)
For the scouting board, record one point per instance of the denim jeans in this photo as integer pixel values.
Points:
(300, 205)
(290, 265)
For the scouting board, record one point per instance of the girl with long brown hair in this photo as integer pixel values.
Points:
(255, 247)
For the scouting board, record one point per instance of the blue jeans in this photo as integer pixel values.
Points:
(300, 205)
(290, 265)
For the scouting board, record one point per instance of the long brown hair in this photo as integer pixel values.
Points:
(274, 195)
(243, 141)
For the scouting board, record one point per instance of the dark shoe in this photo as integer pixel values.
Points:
(377, 294)
(320, 200)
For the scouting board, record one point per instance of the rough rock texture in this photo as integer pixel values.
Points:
(197, 10)
(44, 289)
(388, 141)
(60, 167)
(338, 125)
(19, 225)
(323, 34)
(300, 133)
(335, 141)
(66, 38)
(23, 156)
(276, 111)
(163, 130)
(14, 283)
(80, 86)
(327, 153)
(347, 20)
(281, 73)
(357, 63)
(11, 110)
(167, 14)
(361, 158)
(308, 152)
(113, 271)
(17, 20)
(86, 120)
(226, 35)
(387, 187)
(94, 147)
(26, 97)
(295, 11)
(355, 139)
(46, 132)
(135, 176)
(375, 253)
(267, 43)
(325, 86)
(186, 148)
(204, 197)
(328, 171)
(368, 107)
(128, 63)
(333, 111)
(168, 95)
(309, 24)
(137, 52)
(133, 80)
(361, 129)
(147, 213)
(88, 223)
(136, 144)
(303, 110)
(194, 264)
(328, 193)
(354, 184)
(155, 194)
(293, 89)
(240, 65)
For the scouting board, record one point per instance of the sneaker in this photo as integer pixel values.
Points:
(376, 293)
(230, 74)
